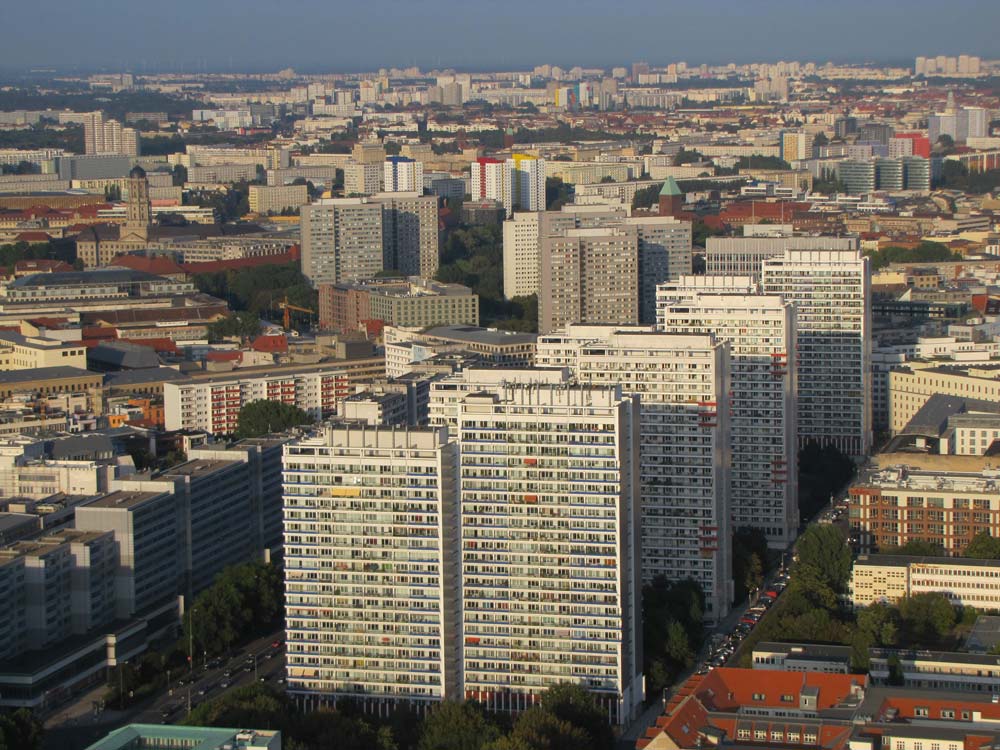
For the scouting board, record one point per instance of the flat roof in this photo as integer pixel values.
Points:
(197, 466)
(72, 278)
(122, 499)
(903, 560)
(477, 335)
(62, 372)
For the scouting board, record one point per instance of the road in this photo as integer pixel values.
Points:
(77, 725)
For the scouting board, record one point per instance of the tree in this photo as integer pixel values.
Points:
(540, 729)
(926, 619)
(825, 556)
(749, 555)
(946, 142)
(20, 730)
(983, 547)
(822, 473)
(262, 417)
(557, 193)
(573, 704)
(647, 197)
(916, 547)
(456, 726)
(241, 324)
(179, 175)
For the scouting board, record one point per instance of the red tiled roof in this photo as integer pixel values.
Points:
(42, 265)
(158, 345)
(33, 237)
(214, 266)
(223, 356)
(732, 687)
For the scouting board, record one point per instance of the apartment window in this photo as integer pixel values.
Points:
(759, 696)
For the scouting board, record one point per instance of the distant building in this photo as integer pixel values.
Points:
(266, 199)
(403, 175)
(102, 136)
(414, 302)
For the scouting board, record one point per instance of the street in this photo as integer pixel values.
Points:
(77, 725)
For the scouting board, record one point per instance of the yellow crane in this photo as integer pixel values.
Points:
(288, 307)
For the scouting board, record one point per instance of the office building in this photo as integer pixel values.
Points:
(415, 302)
(894, 505)
(265, 199)
(801, 657)
(405, 348)
(857, 176)
(589, 276)
(831, 291)
(760, 330)
(362, 178)
(403, 175)
(341, 240)
(888, 578)
(372, 564)
(914, 384)
(935, 670)
(101, 136)
(27, 352)
(544, 604)
(683, 384)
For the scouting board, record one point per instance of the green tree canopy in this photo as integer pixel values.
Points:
(924, 252)
(242, 324)
(456, 726)
(983, 547)
(926, 619)
(824, 564)
(262, 417)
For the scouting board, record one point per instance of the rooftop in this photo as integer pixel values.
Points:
(79, 278)
(44, 373)
(123, 499)
(477, 335)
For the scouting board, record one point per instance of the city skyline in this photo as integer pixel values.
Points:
(432, 35)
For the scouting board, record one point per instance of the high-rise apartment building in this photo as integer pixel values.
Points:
(372, 565)
(487, 181)
(589, 276)
(796, 145)
(341, 240)
(549, 504)
(403, 175)
(831, 290)
(409, 232)
(682, 383)
(101, 136)
(524, 184)
(760, 330)
(362, 178)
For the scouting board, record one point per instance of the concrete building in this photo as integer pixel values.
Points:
(202, 738)
(745, 256)
(588, 276)
(683, 385)
(796, 145)
(543, 604)
(493, 346)
(373, 612)
(831, 291)
(403, 175)
(911, 386)
(409, 232)
(213, 402)
(488, 179)
(524, 184)
(802, 657)
(341, 240)
(760, 330)
(889, 578)
(362, 178)
(935, 670)
(266, 199)
(101, 136)
(20, 352)
(415, 302)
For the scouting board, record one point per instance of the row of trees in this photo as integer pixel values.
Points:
(983, 546)
(11, 253)
(566, 717)
(956, 176)
(20, 730)
(812, 609)
(925, 252)
(672, 630)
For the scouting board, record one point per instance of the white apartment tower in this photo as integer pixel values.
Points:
(683, 385)
(831, 290)
(341, 240)
(524, 184)
(372, 596)
(549, 505)
(760, 330)
(403, 175)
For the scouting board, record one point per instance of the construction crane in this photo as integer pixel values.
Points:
(288, 307)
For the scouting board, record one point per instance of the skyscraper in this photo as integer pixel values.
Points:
(372, 595)
(549, 550)
(101, 136)
(831, 290)
(409, 232)
(682, 384)
(760, 330)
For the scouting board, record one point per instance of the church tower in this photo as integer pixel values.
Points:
(139, 211)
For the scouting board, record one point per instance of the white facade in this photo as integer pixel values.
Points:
(372, 602)
(889, 578)
(401, 175)
(683, 385)
(549, 504)
(524, 184)
(214, 404)
(831, 290)
(761, 332)
(521, 254)
(489, 176)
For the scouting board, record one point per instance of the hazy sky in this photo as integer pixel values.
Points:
(481, 34)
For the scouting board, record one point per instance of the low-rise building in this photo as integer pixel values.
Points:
(277, 198)
(802, 657)
(202, 738)
(889, 578)
(414, 302)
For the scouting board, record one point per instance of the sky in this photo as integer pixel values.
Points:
(352, 35)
